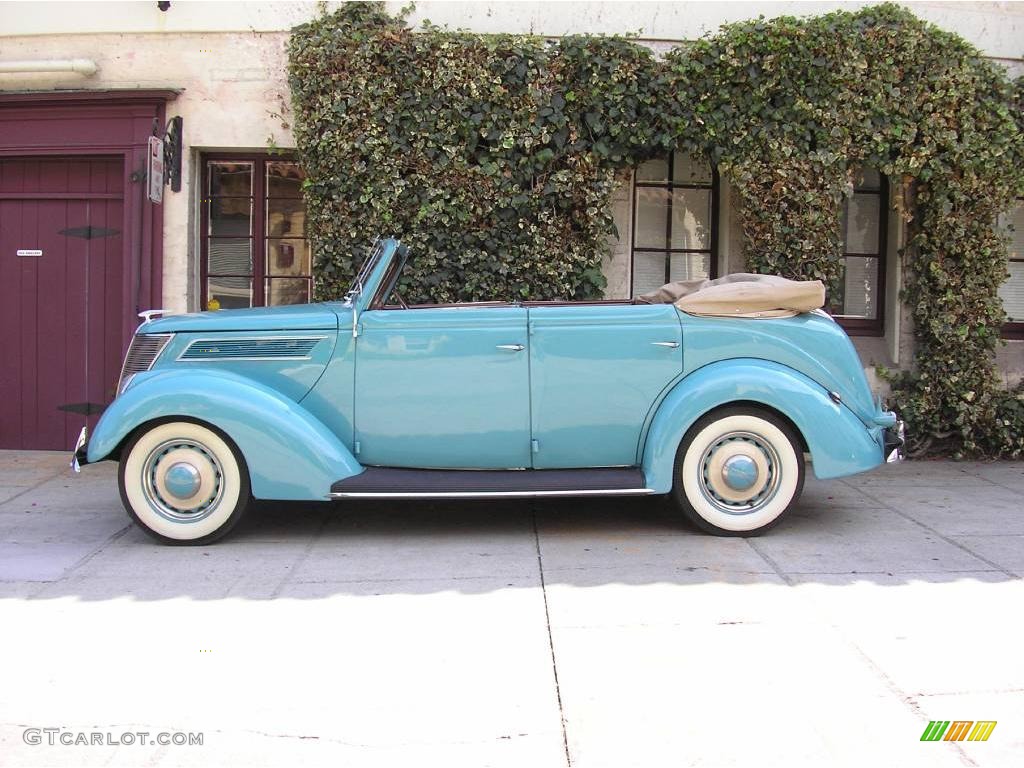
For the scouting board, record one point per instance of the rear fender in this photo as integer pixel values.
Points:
(290, 454)
(839, 442)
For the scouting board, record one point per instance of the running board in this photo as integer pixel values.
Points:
(390, 483)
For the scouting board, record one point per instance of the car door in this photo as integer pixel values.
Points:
(595, 372)
(443, 387)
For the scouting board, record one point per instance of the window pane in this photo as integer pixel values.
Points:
(859, 294)
(687, 169)
(1012, 292)
(651, 218)
(229, 257)
(862, 218)
(228, 293)
(287, 291)
(288, 257)
(691, 218)
(653, 170)
(690, 266)
(230, 216)
(286, 217)
(867, 179)
(648, 272)
(1014, 224)
(230, 178)
(284, 179)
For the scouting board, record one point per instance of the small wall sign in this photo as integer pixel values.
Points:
(155, 170)
(30, 252)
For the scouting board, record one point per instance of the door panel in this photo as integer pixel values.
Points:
(595, 372)
(433, 389)
(62, 311)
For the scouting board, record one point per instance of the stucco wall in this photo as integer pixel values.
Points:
(234, 95)
(996, 28)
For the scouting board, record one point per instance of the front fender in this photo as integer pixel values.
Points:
(289, 453)
(838, 441)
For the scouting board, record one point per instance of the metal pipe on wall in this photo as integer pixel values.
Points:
(84, 67)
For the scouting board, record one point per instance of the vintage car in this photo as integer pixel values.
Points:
(372, 398)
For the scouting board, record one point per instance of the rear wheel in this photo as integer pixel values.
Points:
(183, 483)
(737, 471)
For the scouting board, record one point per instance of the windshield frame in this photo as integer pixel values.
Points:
(369, 264)
(389, 280)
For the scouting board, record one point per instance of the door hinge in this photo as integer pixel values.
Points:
(534, 446)
(357, 447)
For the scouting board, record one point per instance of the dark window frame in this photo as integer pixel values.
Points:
(870, 326)
(1014, 330)
(712, 250)
(258, 235)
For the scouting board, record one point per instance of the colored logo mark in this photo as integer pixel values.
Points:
(958, 730)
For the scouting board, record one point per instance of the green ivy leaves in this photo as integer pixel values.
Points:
(495, 158)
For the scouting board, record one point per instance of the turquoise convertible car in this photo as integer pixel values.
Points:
(373, 398)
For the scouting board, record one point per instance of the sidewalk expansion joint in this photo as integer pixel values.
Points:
(302, 558)
(551, 640)
(81, 562)
(908, 701)
(947, 539)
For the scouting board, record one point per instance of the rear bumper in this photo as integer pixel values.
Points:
(79, 456)
(894, 438)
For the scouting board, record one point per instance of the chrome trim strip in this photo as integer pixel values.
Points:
(487, 494)
(262, 359)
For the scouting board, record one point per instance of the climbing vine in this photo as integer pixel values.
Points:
(496, 157)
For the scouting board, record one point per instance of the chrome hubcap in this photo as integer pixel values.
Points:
(740, 473)
(182, 481)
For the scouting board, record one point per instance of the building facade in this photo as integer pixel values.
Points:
(82, 248)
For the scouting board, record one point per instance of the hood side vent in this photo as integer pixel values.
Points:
(277, 348)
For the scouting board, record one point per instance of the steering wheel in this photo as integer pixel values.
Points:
(398, 297)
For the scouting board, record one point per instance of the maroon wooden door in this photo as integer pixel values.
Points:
(61, 310)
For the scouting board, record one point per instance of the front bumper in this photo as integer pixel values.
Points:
(893, 442)
(79, 456)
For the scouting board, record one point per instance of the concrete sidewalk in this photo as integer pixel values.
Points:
(596, 633)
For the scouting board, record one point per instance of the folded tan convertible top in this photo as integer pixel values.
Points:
(741, 295)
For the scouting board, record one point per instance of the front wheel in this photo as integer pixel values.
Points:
(183, 483)
(737, 471)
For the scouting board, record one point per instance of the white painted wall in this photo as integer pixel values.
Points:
(997, 28)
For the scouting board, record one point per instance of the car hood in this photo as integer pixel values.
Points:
(302, 317)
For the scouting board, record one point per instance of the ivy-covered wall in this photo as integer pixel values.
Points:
(496, 156)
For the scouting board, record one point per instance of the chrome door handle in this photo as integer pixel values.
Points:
(512, 347)
(670, 344)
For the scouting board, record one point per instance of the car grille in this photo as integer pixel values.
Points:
(142, 353)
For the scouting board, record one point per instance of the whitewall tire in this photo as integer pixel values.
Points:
(183, 482)
(738, 470)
